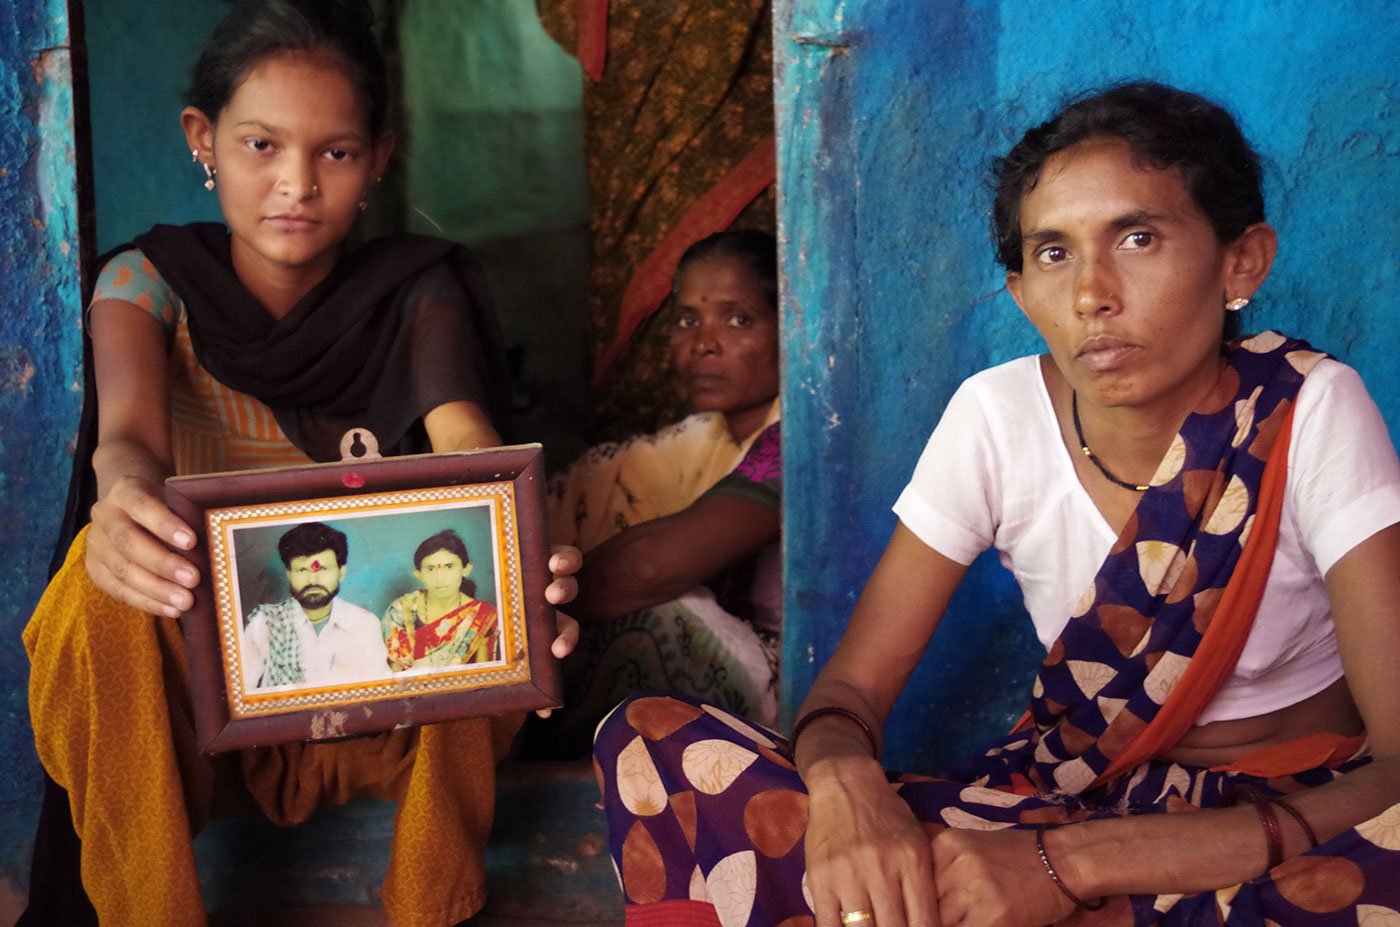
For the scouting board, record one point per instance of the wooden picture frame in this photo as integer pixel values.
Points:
(258, 678)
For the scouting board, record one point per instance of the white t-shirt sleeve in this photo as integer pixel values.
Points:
(950, 501)
(1343, 478)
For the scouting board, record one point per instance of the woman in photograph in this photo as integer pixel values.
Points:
(263, 341)
(443, 623)
(1206, 531)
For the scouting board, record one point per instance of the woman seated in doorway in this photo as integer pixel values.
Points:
(443, 623)
(264, 342)
(1206, 531)
(681, 585)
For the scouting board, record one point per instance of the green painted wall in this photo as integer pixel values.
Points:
(492, 155)
(494, 133)
(139, 60)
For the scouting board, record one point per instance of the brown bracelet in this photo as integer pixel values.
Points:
(1055, 876)
(1297, 816)
(825, 710)
(1273, 833)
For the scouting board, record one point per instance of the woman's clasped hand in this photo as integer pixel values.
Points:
(994, 879)
(132, 550)
(866, 851)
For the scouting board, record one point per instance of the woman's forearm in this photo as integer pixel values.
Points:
(459, 426)
(1163, 853)
(1213, 848)
(889, 631)
(658, 560)
(115, 458)
(834, 745)
(626, 574)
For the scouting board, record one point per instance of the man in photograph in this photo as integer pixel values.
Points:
(314, 637)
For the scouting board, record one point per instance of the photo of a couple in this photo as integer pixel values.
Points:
(327, 603)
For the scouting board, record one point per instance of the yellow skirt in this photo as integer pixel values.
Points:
(110, 705)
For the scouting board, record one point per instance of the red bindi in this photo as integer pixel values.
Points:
(315, 566)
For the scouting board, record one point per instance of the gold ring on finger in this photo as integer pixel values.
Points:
(857, 917)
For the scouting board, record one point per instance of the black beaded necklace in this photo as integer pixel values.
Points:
(1094, 458)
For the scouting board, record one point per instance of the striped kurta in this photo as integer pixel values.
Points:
(212, 428)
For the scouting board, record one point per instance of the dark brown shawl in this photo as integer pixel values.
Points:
(401, 325)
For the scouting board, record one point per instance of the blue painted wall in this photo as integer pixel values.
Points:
(40, 367)
(888, 114)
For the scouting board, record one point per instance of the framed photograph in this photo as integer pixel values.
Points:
(344, 598)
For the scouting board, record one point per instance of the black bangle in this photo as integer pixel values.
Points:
(1055, 876)
(1273, 834)
(825, 710)
(1297, 816)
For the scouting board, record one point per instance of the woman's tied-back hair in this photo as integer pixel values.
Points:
(451, 542)
(255, 29)
(755, 248)
(1166, 128)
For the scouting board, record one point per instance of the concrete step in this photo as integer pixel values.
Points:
(365, 916)
(547, 861)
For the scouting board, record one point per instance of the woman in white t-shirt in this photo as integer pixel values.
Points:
(1205, 531)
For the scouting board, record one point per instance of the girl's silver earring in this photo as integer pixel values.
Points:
(364, 204)
(209, 172)
(1236, 304)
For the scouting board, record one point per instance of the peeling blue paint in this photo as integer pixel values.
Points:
(39, 360)
(892, 297)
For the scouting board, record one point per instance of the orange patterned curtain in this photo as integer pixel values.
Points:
(679, 143)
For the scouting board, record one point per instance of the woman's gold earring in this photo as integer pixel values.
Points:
(1236, 304)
